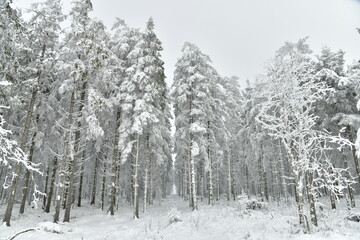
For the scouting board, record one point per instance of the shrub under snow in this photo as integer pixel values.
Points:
(174, 216)
(49, 227)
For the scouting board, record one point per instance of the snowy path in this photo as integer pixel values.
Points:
(222, 221)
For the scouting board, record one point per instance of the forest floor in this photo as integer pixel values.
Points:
(224, 220)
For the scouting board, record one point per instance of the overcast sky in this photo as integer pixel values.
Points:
(238, 35)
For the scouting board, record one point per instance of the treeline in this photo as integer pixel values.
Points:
(289, 137)
(90, 118)
(88, 107)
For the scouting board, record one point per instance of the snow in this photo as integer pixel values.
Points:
(49, 227)
(4, 83)
(195, 150)
(224, 220)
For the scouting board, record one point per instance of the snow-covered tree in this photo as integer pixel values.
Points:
(289, 93)
(193, 107)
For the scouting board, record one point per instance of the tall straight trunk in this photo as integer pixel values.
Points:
(103, 185)
(146, 175)
(193, 199)
(299, 198)
(311, 197)
(217, 182)
(151, 182)
(163, 184)
(1, 171)
(211, 185)
(135, 177)
(74, 160)
(46, 186)
(275, 181)
(192, 170)
(282, 172)
(146, 179)
(353, 151)
(298, 181)
(62, 173)
(347, 175)
(229, 181)
(25, 189)
(18, 166)
(115, 164)
(52, 183)
(93, 192)
(247, 175)
(1, 182)
(202, 187)
(190, 189)
(80, 184)
(185, 179)
(31, 184)
(262, 175)
(118, 179)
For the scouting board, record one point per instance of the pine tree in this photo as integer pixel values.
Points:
(192, 102)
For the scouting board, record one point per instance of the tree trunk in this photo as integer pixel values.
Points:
(217, 182)
(93, 192)
(1, 183)
(299, 198)
(192, 177)
(73, 161)
(18, 166)
(146, 175)
(80, 184)
(229, 181)
(27, 174)
(282, 172)
(151, 183)
(190, 189)
(311, 197)
(61, 180)
(52, 183)
(103, 185)
(332, 200)
(347, 175)
(353, 150)
(262, 176)
(202, 185)
(135, 177)
(211, 184)
(46, 186)
(115, 164)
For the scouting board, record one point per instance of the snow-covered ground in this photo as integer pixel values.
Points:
(222, 221)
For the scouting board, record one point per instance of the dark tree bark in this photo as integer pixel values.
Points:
(74, 161)
(103, 185)
(93, 192)
(115, 164)
(353, 151)
(18, 166)
(46, 185)
(52, 183)
(25, 189)
(80, 185)
(61, 181)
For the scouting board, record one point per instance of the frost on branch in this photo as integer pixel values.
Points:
(10, 152)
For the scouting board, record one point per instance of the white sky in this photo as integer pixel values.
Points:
(238, 35)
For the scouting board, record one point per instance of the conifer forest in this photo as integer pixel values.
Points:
(96, 142)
